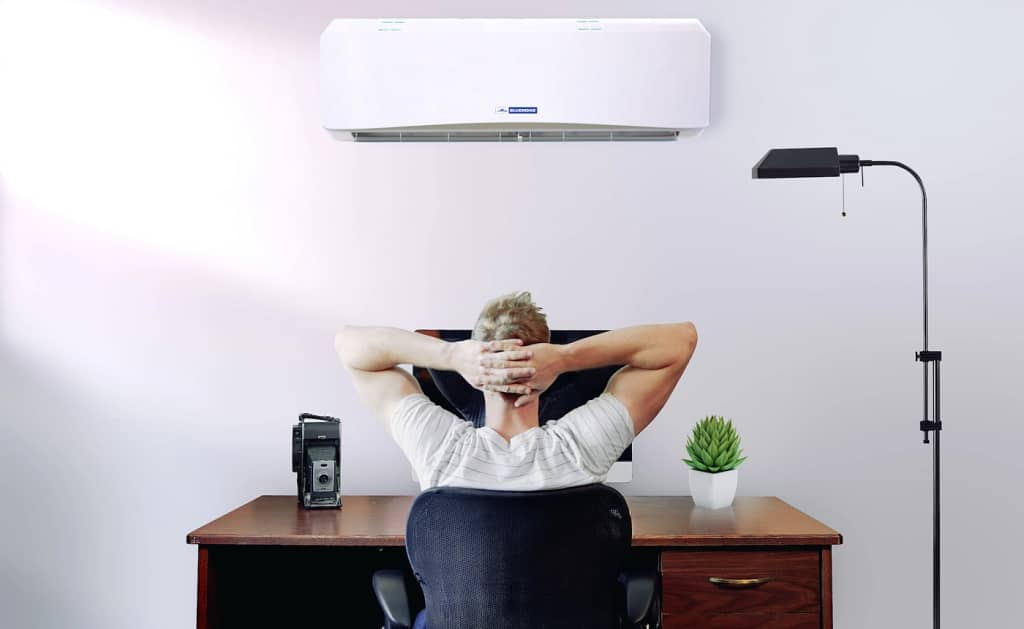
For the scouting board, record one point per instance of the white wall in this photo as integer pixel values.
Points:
(179, 239)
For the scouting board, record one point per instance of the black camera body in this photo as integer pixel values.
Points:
(316, 461)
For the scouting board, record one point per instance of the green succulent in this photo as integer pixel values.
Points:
(714, 446)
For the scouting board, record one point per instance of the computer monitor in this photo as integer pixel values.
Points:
(449, 390)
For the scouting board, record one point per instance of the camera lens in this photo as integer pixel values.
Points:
(323, 478)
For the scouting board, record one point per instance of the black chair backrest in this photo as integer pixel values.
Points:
(519, 560)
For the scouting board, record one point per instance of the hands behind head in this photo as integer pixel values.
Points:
(468, 360)
(508, 367)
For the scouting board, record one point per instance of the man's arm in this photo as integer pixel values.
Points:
(372, 356)
(655, 357)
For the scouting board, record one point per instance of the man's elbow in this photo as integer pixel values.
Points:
(687, 340)
(343, 344)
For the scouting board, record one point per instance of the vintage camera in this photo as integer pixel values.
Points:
(316, 460)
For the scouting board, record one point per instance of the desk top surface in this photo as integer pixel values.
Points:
(380, 521)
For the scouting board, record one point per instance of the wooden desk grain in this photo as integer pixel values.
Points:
(663, 521)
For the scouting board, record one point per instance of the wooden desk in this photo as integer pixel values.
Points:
(272, 563)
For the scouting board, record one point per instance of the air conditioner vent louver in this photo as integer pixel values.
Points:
(515, 136)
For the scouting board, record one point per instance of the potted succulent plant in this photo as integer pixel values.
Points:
(714, 449)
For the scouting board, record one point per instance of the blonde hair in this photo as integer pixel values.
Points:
(512, 316)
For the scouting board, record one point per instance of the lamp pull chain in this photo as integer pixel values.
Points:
(843, 181)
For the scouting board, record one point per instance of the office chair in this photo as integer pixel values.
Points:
(520, 560)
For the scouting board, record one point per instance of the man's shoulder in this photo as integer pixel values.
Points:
(419, 407)
(601, 419)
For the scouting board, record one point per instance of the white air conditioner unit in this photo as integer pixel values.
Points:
(514, 79)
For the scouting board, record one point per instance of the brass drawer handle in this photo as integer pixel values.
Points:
(739, 583)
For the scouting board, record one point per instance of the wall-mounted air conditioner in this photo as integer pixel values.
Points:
(514, 79)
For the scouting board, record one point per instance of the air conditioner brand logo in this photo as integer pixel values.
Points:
(515, 110)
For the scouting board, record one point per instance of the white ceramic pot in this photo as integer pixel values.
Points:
(713, 491)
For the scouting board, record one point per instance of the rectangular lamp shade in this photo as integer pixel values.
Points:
(806, 162)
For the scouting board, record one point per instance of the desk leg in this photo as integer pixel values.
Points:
(206, 597)
(826, 587)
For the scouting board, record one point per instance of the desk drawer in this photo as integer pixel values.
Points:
(755, 588)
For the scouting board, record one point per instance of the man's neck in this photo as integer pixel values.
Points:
(505, 419)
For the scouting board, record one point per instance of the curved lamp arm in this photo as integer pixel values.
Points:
(924, 231)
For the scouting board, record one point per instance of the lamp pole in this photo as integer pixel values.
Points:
(826, 162)
(934, 358)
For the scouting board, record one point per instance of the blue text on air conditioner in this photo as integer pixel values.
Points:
(522, 110)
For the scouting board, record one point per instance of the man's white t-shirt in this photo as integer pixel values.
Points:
(577, 449)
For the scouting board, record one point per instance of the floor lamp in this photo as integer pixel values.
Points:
(827, 162)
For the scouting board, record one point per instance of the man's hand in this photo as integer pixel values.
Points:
(469, 358)
(545, 359)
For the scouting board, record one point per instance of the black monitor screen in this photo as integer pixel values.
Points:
(448, 389)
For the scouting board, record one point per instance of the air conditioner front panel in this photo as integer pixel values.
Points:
(385, 74)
